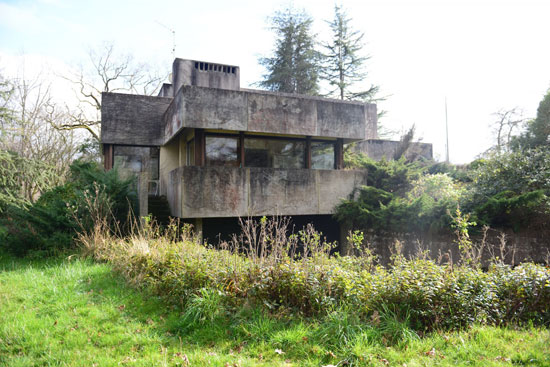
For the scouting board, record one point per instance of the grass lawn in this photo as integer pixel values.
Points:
(78, 313)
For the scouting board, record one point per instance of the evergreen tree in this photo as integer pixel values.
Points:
(537, 133)
(343, 66)
(293, 68)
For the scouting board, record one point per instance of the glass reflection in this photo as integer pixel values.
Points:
(222, 151)
(274, 153)
(322, 155)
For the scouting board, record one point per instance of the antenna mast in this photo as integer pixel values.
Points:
(173, 38)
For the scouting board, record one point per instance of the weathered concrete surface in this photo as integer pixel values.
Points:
(377, 149)
(213, 192)
(173, 191)
(520, 247)
(204, 74)
(167, 90)
(131, 119)
(371, 116)
(266, 112)
(143, 194)
(340, 120)
(208, 192)
(169, 160)
(281, 114)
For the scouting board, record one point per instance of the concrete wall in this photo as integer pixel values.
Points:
(524, 246)
(168, 161)
(132, 119)
(266, 112)
(377, 149)
(228, 192)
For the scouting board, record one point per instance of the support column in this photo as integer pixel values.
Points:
(339, 154)
(143, 192)
(200, 148)
(308, 152)
(198, 229)
(241, 149)
(107, 156)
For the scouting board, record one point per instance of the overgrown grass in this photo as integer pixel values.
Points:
(61, 312)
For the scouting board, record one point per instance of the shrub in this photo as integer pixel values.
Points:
(51, 223)
(507, 209)
(415, 294)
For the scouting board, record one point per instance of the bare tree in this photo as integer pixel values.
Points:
(33, 144)
(108, 71)
(506, 123)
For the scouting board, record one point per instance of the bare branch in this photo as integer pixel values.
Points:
(109, 72)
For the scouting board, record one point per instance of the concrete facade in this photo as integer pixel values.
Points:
(378, 149)
(236, 192)
(269, 144)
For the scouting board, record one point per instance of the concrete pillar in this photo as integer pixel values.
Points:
(198, 229)
(143, 194)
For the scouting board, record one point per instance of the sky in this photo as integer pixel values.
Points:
(480, 56)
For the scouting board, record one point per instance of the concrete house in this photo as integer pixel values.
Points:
(216, 150)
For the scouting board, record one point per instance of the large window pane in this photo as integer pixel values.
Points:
(322, 155)
(274, 153)
(132, 161)
(222, 151)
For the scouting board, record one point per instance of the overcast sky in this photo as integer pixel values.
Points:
(483, 56)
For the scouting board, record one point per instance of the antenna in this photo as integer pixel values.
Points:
(173, 37)
(446, 133)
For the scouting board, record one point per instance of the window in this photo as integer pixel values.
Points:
(133, 160)
(322, 155)
(222, 151)
(274, 153)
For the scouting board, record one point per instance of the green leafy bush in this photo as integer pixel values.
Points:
(51, 223)
(507, 209)
(399, 197)
(388, 175)
(413, 294)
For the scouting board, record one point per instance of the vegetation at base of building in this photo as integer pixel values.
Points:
(50, 224)
(506, 190)
(295, 274)
(74, 312)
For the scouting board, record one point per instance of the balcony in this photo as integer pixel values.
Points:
(207, 192)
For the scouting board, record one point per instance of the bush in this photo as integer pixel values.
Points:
(408, 295)
(51, 223)
(507, 209)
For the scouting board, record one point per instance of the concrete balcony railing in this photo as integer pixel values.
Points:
(206, 192)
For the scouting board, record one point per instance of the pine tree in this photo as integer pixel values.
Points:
(293, 68)
(537, 132)
(343, 66)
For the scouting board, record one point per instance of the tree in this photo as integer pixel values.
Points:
(33, 155)
(506, 122)
(293, 68)
(109, 72)
(537, 132)
(343, 65)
